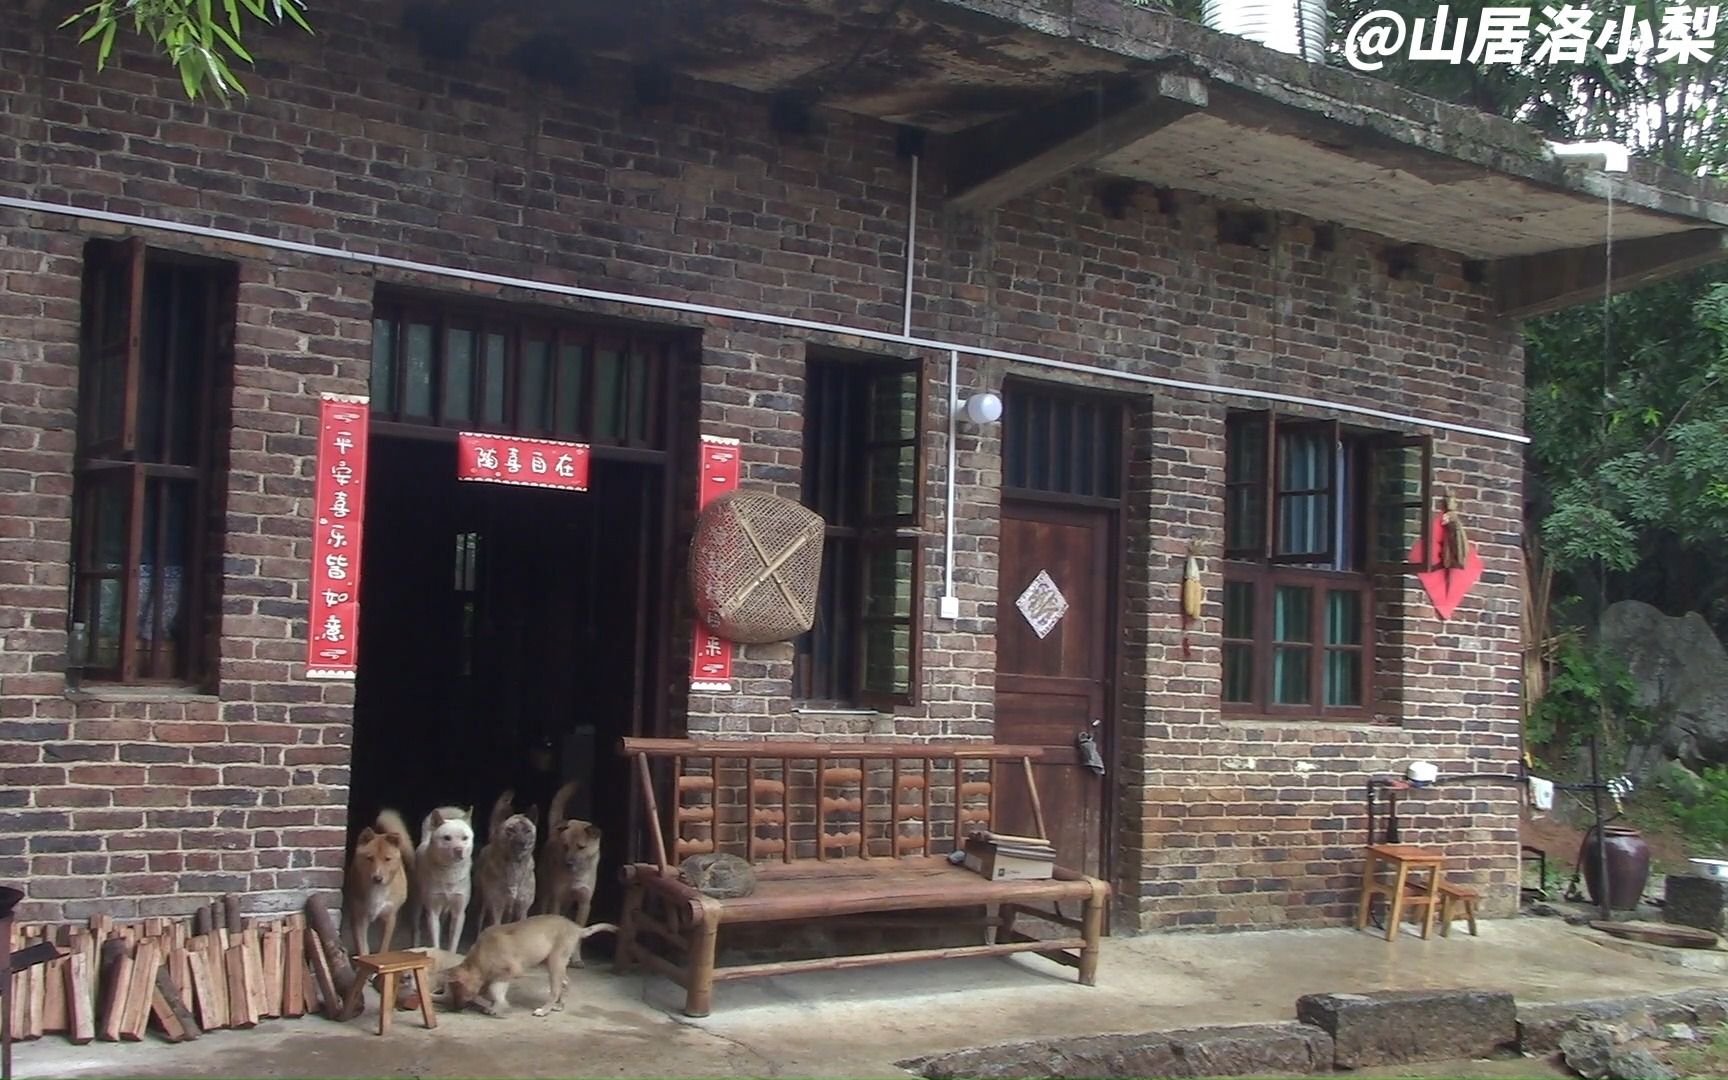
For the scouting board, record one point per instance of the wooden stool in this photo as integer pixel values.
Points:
(1452, 896)
(1401, 893)
(387, 966)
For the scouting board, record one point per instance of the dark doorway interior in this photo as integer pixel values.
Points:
(505, 641)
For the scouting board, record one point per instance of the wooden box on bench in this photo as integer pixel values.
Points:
(1010, 858)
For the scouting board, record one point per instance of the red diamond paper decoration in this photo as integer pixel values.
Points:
(1447, 588)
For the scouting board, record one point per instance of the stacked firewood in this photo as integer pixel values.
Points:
(220, 969)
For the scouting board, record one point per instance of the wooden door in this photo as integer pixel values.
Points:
(1051, 688)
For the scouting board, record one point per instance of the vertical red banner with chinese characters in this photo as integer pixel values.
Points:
(339, 494)
(711, 664)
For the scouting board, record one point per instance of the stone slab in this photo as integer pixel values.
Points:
(1238, 1050)
(1397, 1026)
(1694, 901)
(1541, 1027)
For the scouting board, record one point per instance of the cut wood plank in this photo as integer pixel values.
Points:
(80, 999)
(293, 961)
(54, 994)
(309, 988)
(329, 999)
(116, 980)
(137, 1014)
(252, 953)
(341, 970)
(164, 1016)
(38, 993)
(171, 1000)
(202, 993)
(18, 993)
(179, 973)
(272, 967)
(216, 961)
(241, 1013)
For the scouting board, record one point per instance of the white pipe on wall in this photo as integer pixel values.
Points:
(911, 248)
(765, 318)
(950, 604)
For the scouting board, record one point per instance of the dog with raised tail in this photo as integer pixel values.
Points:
(569, 863)
(377, 883)
(502, 953)
(443, 868)
(504, 872)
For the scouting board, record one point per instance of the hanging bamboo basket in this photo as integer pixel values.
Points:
(755, 564)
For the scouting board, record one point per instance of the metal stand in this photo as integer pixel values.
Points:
(1595, 787)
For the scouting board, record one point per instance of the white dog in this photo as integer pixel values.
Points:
(443, 866)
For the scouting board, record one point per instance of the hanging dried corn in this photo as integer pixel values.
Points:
(1191, 596)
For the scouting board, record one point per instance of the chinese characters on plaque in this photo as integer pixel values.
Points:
(505, 459)
(339, 493)
(711, 666)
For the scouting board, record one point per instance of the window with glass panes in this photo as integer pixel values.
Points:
(863, 424)
(1311, 511)
(157, 348)
(500, 370)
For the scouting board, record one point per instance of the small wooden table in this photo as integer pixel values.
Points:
(1399, 894)
(387, 966)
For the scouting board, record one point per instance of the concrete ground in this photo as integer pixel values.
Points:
(860, 1023)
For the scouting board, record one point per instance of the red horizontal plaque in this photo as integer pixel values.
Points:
(506, 459)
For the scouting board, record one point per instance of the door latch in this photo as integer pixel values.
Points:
(1089, 755)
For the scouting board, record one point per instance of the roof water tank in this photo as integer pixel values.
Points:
(1292, 26)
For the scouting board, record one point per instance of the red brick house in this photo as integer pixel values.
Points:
(1234, 304)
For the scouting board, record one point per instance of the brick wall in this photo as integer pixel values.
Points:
(150, 803)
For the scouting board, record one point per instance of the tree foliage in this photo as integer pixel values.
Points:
(201, 41)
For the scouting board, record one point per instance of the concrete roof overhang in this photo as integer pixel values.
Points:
(1017, 93)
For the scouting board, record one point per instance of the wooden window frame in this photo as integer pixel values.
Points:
(643, 357)
(145, 476)
(1266, 578)
(1263, 567)
(1264, 482)
(1377, 447)
(844, 496)
(1277, 493)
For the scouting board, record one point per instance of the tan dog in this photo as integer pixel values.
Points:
(501, 953)
(377, 883)
(504, 872)
(569, 863)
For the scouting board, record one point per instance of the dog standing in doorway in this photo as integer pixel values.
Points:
(504, 872)
(377, 883)
(442, 869)
(569, 863)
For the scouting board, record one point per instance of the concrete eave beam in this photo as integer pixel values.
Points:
(995, 162)
(1530, 285)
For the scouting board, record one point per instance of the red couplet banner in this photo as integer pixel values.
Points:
(711, 665)
(505, 459)
(339, 508)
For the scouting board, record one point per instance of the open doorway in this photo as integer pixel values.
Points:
(506, 641)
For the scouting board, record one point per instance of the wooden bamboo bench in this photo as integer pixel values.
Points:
(852, 829)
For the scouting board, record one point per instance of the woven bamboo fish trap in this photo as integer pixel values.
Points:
(755, 564)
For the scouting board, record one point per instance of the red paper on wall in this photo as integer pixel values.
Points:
(339, 507)
(1446, 588)
(711, 664)
(505, 459)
